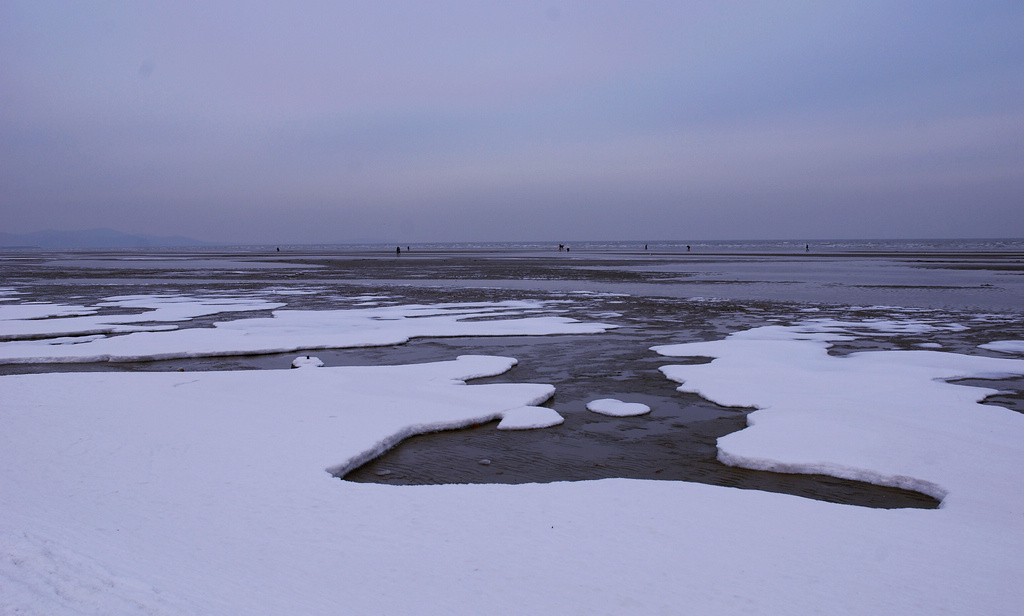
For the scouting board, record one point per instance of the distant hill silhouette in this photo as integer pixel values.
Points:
(94, 238)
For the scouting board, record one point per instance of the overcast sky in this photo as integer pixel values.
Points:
(308, 122)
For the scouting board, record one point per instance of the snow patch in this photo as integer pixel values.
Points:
(529, 417)
(885, 417)
(31, 322)
(1015, 347)
(286, 331)
(306, 361)
(617, 408)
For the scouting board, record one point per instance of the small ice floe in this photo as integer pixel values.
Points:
(305, 361)
(529, 417)
(617, 408)
(930, 345)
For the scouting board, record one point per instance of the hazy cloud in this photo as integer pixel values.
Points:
(338, 121)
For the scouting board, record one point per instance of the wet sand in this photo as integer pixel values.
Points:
(655, 299)
(975, 281)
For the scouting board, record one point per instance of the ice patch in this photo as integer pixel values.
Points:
(617, 408)
(529, 417)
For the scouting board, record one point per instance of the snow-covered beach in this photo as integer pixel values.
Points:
(161, 456)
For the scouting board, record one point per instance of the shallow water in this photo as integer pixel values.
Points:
(655, 299)
(675, 441)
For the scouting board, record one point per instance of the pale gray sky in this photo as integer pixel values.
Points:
(296, 122)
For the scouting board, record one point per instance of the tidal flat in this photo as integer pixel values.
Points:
(660, 296)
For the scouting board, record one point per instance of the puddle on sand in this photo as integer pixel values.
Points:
(662, 445)
(676, 441)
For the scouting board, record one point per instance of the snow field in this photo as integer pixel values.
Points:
(211, 492)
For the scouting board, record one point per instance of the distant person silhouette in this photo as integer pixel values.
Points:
(398, 251)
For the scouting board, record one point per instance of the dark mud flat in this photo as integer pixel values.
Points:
(653, 299)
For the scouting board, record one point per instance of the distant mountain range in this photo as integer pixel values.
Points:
(93, 238)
